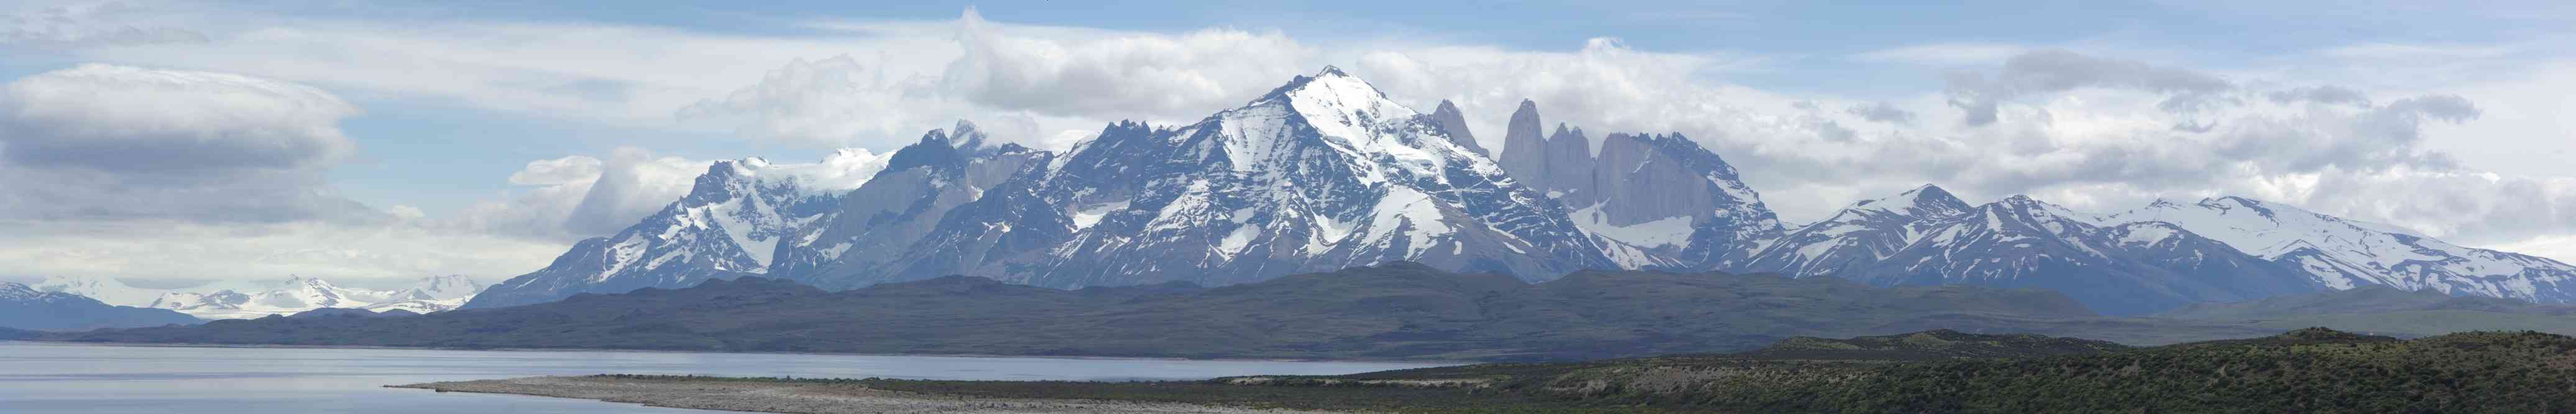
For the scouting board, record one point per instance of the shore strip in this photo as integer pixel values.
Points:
(794, 397)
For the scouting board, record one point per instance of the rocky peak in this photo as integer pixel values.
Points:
(935, 150)
(1928, 201)
(1524, 155)
(970, 141)
(1568, 161)
(1455, 124)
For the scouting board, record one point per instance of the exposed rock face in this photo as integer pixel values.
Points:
(1524, 147)
(878, 222)
(736, 218)
(1569, 164)
(1456, 124)
(1856, 238)
(2114, 268)
(1319, 174)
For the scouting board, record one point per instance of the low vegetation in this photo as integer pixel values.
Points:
(2308, 370)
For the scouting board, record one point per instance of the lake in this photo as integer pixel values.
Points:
(38, 377)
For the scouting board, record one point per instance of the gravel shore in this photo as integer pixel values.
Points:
(789, 397)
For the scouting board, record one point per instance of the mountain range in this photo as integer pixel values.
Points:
(1396, 310)
(238, 300)
(1326, 172)
(25, 308)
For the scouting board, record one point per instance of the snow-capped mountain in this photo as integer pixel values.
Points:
(1677, 201)
(1651, 201)
(2345, 254)
(878, 222)
(1854, 239)
(2119, 269)
(293, 295)
(729, 225)
(2222, 249)
(1322, 173)
(1926, 236)
(104, 289)
(252, 299)
(1325, 172)
(26, 307)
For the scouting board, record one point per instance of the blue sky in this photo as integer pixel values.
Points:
(456, 104)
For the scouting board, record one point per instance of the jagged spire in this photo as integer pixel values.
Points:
(1455, 124)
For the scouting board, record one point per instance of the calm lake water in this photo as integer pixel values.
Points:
(40, 377)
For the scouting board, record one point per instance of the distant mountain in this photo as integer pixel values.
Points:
(1321, 173)
(1399, 310)
(877, 224)
(351, 313)
(24, 307)
(1678, 203)
(2346, 254)
(1928, 237)
(252, 299)
(729, 225)
(1326, 172)
(103, 289)
(2122, 269)
(1855, 239)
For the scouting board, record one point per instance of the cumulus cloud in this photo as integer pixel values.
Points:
(2094, 132)
(146, 120)
(2330, 95)
(580, 196)
(1881, 112)
(2057, 70)
(559, 171)
(1037, 82)
(117, 141)
(153, 173)
(1119, 75)
(86, 25)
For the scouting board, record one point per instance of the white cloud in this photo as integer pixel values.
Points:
(579, 196)
(2399, 51)
(121, 118)
(560, 171)
(1944, 54)
(2094, 131)
(192, 250)
(103, 141)
(85, 25)
(1041, 82)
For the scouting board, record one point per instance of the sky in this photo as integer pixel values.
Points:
(174, 142)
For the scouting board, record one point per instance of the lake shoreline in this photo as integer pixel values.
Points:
(711, 393)
(685, 351)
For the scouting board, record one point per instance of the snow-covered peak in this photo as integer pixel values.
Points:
(1346, 115)
(20, 292)
(2263, 229)
(1334, 95)
(2345, 254)
(104, 289)
(13, 292)
(2031, 207)
(1928, 201)
(449, 287)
